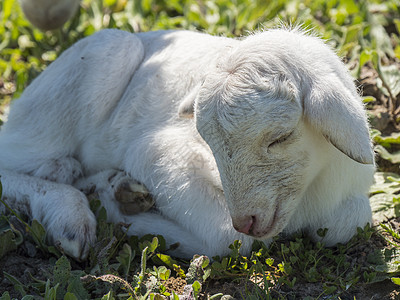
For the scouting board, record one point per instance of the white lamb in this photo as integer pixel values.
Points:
(234, 139)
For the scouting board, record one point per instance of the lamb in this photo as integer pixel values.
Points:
(233, 138)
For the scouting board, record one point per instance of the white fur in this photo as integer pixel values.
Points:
(279, 141)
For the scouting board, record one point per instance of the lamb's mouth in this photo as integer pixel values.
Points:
(269, 231)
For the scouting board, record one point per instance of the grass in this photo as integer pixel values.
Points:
(365, 33)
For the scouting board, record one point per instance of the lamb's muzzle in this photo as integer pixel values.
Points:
(252, 225)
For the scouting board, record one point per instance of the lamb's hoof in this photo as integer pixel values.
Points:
(70, 224)
(133, 197)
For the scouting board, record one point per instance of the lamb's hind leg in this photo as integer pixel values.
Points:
(63, 210)
(118, 193)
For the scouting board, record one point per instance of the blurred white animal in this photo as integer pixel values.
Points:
(234, 139)
(49, 14)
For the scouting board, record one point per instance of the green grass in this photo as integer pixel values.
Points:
(365, 33)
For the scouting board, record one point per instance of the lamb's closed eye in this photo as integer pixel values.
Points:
(270, 144)
(281, 139)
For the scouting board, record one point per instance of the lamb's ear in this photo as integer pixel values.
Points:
(186, 108)
(338, 113)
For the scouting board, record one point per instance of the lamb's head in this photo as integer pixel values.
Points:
(272, 114)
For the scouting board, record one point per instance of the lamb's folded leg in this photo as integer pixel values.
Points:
(128, 201)
(118, 192)
(62, 209)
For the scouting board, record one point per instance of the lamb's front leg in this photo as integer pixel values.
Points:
(61, 209)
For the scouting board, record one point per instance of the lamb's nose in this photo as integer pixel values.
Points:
(244, 224)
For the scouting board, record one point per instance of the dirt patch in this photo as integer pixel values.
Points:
(19, 265)
(175, 284)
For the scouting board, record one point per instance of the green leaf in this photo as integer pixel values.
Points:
(18, 286)
(53, 250)
(50, 292)
(7, 9)
(322, 232)
(312, 275)
(391, 76)
(382, 207)
(70, 296)
(196, 288)
(75, 285)
(5, 296)
(102, 215)
(61, 274)
(62, 270)
(109, 2)
(108, 296)
(164, 259)
(163, 273)
(395, 280)
(394, 158)
(143, 263)
(328, 290)
(154, 244)
(151, 245)
(385, 261)
(179, 271)
(269, 261)
(156, 297)
(397, 51)
(388, 228)
(38, 234)
(385, 182)
(196, 270)
(380, 38)
(174, 296)
(7, 242)
(386, 141)
(125, 257)
(365, 57)
(369, 99)
(146, 5)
